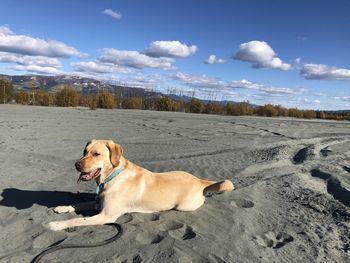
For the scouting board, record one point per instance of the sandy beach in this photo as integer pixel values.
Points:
(291, 202)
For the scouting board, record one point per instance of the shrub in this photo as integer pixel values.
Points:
(6, 91)
(321, 115)
(214, 108)
(132, 103)
(67, 98)
(237, 109)
(309, 114)
(267, 110)
(195, 106)
(22, 98)
(43, 98)
(295, 113)
(106, 100)
(164, 104)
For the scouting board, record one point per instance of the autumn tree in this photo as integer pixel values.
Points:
(214, 108)
(67, 98)
(321, 115)
(132, 103)
(43, 98)
(106, 100)
(195, 106)
(295, 113)
(267, 110)
(309, 114)
(22, 98)
(164, 104)
(6, 91)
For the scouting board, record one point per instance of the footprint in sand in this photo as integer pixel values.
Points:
(149, 238)
(126, 218)
(170, 225)
(325, 152)
(242, 203)
(137, 259)
(178, 230)
(275, 241)
(146, 217)
(215, 259)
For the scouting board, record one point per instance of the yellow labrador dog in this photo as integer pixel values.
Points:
(124, 187)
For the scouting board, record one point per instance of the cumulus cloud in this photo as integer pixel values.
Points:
(261, 55)
(323, 72)
(111, 13)
(134, 59)
(172, 49)
(212, 59)
(26, 45)
(38, 69)
(29, 60)
(100, 67)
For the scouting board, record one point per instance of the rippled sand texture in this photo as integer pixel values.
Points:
(291, 203)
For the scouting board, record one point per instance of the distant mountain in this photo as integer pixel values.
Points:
(89, 86)
(85, 85)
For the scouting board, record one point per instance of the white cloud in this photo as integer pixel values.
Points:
(208, 83)
(212, 59)
(199, 81)
(100, 67)
(323, 72)
(134, 59)
(37, 69)
(144, 81)
(261, 55)
(269, 90)
(29, 60)
(26, 45)
(111, 13)
(308, 101)
(344, 98)
(172, 49)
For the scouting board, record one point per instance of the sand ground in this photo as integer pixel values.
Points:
(291, 203)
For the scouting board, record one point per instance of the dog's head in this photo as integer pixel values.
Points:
(100, 157)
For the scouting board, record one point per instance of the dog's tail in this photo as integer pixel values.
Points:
(218, 187)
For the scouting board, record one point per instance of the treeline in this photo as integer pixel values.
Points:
(70, 98)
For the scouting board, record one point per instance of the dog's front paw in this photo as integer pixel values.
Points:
(57, 225)
(64, 209)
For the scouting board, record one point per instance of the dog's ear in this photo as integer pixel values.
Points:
(116, 152)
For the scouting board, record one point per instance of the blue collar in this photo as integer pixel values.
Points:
(109, 178)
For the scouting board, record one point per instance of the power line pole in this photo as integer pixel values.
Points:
(33, 87)
(4, 94)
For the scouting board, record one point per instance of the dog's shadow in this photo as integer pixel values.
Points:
(23, 199)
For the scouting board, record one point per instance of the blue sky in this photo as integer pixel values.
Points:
(293, 53)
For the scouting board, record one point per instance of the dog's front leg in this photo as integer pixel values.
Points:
(99, 219)
(93, 205)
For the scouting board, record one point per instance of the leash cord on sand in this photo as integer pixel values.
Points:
(64, 246)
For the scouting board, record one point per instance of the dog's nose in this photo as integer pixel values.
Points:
(78, 166)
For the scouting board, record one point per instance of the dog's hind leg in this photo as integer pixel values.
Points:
(218, 187)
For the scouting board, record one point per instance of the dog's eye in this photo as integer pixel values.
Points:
(96, 154)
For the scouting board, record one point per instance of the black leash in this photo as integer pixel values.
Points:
(64, 246)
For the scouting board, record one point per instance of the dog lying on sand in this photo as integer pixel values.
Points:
(124, 187)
